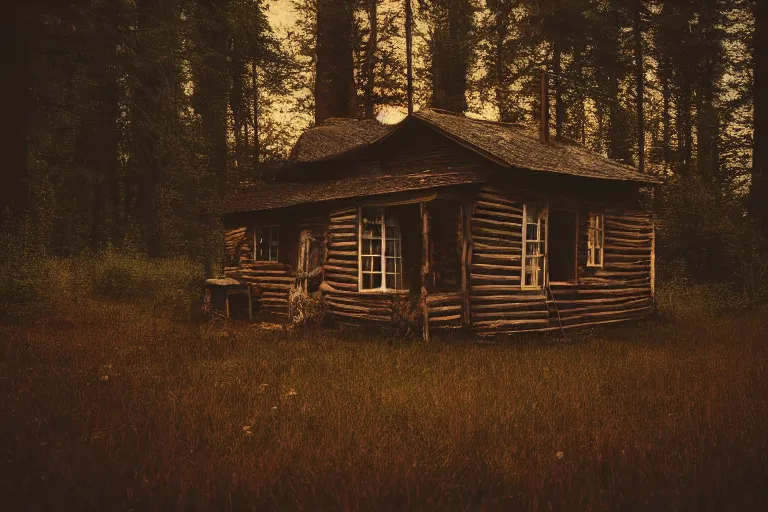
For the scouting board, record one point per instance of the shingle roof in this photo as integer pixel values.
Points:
(271, 196)
(335, 137)
(519, 146)
(508, 144)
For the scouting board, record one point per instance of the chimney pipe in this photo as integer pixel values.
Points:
(544, 115)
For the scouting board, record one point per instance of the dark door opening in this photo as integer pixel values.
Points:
(563, 227)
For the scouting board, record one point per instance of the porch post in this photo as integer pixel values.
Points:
(425, 267)
(466, 257)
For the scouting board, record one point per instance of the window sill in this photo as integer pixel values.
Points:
(384, 292)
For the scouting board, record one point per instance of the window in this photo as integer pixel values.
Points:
(595, 240)
(381, 260)
(534, 245)
(266, 243)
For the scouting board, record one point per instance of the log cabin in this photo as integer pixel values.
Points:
(471, 223)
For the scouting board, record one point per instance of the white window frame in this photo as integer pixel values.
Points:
(273, 250)
(542, 220)
(595, 232)
(398, 257)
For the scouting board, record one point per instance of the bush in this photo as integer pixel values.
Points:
(45, 287)
(49, 287)
(168, 285)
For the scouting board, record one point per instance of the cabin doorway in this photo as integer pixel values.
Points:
(563, 235)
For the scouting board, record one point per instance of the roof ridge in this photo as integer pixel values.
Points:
(479, 120)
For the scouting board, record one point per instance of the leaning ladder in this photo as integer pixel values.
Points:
(551, 298)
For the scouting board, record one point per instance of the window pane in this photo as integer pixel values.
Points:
(376, 247)
(391, 281)
(367, 281)
(390, 265)
(392, 247)
(532, 232)
(598, 257)
(376, 263)
(376, 280)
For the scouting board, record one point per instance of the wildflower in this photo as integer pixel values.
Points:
(560, 455)
(291, 392)
(247, 430)
(274, 407)
(263, 387)
(104, 378)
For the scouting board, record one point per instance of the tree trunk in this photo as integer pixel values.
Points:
(759, 188)
(105, 131)
(557, 69)
(212, 85)
(370, 60)
(153, 113)
(237, 104)
(450, 53)
(639, 84)
(15, 108)
(335, 72)
(256, 114)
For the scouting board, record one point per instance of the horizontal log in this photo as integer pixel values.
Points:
(625, 274)
(512, 315)
(496, 278)
(622, 223)
(506, 248)
(497, 198)
(445, 319)
(439, 298)
(500, 224)
(362, 309)
(491, 324)
(268, 279)
(352, 228)
(336, 276)
(496, 287)
(342, 262)
(333, 253)
(340, 245)
(608, 314)
(567, 303)
(633, 242)
(344, 218)
(272, 300)
(343, 212)
(500, 261)
(501, 213)
(505, 305)
(495, 233)
(340, 285)
(443, 309)
(349, 269)
(489, 267)
(364, 316)
(494, 241)
(566, 312)
(627, 292)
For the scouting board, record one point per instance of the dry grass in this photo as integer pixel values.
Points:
(120, 410)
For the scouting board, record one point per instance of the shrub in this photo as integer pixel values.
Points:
(171, 286)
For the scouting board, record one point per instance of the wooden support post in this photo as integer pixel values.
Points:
(250, 303)
(653, 257)
(425, 267)
(466, 249)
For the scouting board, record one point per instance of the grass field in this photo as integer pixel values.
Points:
(121, 410)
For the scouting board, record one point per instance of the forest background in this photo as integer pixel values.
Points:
(122, 119)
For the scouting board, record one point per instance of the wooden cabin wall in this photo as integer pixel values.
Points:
(272, 279)
(340, 285)
(621, 289)
(497, 302)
